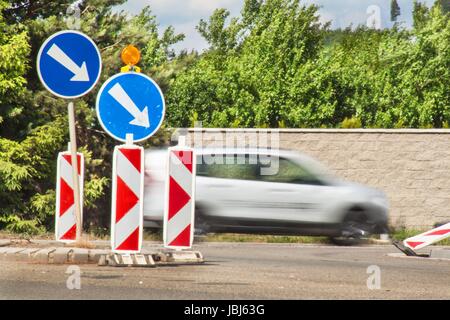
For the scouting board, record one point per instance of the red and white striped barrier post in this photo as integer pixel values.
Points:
(65, 217)
(180, 198)
(425, 239)
(127, 199)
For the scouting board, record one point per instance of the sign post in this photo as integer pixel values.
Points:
(179, 211)
(130, 103)
(130, 108)
(65, 219)
(127, 199)
(69, 66)
(76, 184)
(411, 245)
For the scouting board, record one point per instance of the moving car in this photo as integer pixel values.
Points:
(270, 192)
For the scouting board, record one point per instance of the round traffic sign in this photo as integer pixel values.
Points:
(69, 64)
(130, 103)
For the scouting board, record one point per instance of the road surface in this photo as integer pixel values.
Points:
(243, 271)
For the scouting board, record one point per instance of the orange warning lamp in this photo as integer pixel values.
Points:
(131, 57)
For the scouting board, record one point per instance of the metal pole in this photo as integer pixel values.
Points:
(76, 182)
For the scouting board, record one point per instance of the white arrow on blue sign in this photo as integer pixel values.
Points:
(130, 103)
(69, 64)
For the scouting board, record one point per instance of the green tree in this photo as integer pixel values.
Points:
(21, 162)
(420, 14)
(277, 66)
(34, 126)
(246, 77)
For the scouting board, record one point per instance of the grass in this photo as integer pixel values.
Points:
(402, 234)
(84, 242)
(230, 237)
(19, 236)
(87, 236)
(396, 234)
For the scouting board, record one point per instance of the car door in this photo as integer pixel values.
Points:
(294, 195)
(228, 189)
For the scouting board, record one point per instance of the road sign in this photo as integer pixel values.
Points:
(65, 219)
(130, 103)
(127, 199)
(69, 64)
(427, 238)
(180, 199)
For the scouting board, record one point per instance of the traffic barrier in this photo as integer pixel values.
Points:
(179, 257)
(127, 196)
(65, 218)
(180, 198)
(127, 260)
(425, 239)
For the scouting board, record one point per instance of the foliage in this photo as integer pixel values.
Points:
(244, 79)
(352, 123)
(276, 65)
(33, 123)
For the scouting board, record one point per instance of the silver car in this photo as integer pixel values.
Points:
(270, 192)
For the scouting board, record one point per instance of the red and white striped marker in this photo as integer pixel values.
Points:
(127, 199)
(180, 198)
(425, 239)
(65, 218)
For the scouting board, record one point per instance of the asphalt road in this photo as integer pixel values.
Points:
(243, 271)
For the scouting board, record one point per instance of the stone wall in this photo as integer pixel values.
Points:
(411, 166)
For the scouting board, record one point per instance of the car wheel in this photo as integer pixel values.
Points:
(355, 229)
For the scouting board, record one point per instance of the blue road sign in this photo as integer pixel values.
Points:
(130, 103)
(69, 64)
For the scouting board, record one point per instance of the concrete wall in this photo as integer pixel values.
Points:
(411, 166)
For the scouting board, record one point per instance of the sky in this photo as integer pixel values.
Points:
(184, 15)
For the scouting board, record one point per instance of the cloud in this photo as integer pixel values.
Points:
(193, 39)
